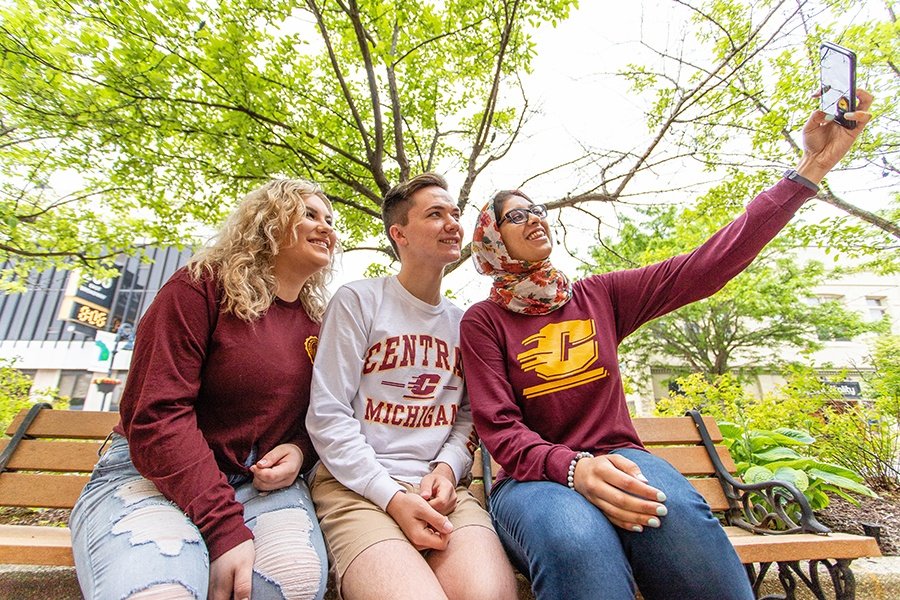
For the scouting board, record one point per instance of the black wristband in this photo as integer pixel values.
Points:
(795, 176)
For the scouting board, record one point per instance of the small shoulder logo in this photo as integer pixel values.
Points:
(312, 345)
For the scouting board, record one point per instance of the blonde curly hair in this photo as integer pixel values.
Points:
(242, 255)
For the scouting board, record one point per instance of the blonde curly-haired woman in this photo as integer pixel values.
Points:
(200, 492)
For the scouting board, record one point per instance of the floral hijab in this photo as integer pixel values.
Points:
(529, 288)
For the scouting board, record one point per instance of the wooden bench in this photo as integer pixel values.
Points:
(768, 523)
(48, 457)
(45, 462)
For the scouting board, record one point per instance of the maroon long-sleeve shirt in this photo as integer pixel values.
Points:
(544, 387)
(205, 389)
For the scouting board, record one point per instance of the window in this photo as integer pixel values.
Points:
(75, 385)
(877, 308)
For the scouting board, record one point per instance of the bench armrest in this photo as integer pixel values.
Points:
(21, 433)
(769, 507)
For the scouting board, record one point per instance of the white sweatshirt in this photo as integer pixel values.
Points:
(388, 399)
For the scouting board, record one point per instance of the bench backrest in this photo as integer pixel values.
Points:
(675, 439)
(52, 464)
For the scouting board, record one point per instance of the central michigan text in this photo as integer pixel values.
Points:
(411, 351)
(414, 415)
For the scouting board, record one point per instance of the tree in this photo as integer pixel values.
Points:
(167, 108)
(170, 107)
(751, 320)
(731, 97)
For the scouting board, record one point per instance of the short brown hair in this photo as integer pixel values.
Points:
(397, 202)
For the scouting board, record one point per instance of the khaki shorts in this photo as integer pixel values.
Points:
(352, 523)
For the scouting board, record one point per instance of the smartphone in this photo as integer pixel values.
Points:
(838, 81)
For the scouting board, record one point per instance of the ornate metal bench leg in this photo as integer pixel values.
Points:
(787, 580)
(841, 578)
(839, 571)
(756, 581)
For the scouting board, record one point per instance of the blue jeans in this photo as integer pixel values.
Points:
(127, 537)
(569, 549)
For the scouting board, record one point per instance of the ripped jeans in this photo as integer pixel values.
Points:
(129, 541)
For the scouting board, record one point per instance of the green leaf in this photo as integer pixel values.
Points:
(757, 474)
(794, 476)
(775, 454)
(842, 482)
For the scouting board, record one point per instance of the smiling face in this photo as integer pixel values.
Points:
(310, 247)
(432, 234)
(529, 241)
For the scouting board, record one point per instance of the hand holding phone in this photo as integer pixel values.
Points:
(838, 83)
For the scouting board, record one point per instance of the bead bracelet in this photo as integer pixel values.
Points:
(579, 456)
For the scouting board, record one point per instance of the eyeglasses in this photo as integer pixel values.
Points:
(517, 216)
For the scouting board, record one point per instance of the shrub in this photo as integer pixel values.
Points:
(15, 393)
(770, 438)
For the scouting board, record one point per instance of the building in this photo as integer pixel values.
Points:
(873, 296)
(64, 352)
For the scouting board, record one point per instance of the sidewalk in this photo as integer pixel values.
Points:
(876, 579)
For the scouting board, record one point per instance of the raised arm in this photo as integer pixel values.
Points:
(650, 292)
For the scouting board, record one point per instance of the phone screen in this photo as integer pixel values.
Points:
(838, 82)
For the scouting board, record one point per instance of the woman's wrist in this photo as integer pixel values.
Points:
(811, 171)
(570, 477)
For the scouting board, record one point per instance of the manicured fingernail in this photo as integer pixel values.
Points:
(829, 117)
(641, 477)
(660, 497)
(637, 528)
(448, 526)
(652, 522)
(662, 511)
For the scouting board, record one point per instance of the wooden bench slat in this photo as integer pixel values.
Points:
(31, 545)
(74, 424)
(752, 547)
(674, 431)
(693, 460)
(41, 490)
(44, 455)
(711, 490)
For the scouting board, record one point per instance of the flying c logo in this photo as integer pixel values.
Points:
(561, 356)
(424, 385)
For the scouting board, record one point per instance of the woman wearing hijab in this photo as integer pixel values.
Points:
(581, 507)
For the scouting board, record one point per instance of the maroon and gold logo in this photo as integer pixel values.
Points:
(562, 355)
(312, 345)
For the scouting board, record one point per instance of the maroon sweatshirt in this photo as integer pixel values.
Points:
(205, 389)
(544, 387)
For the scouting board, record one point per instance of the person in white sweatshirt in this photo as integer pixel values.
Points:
(390, 420)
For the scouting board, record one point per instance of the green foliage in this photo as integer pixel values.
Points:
(762, 448)
(170, 110)
(862, 438)
(753, 318)
(14, 393)
(737, 103)
(885, 383)
(866, 437)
